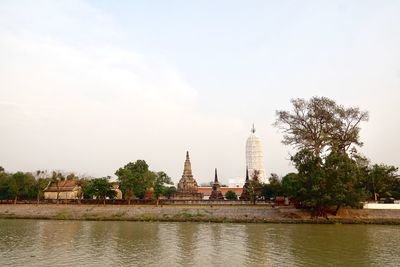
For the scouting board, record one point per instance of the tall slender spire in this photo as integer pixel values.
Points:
(187, 155)
(253, 130)
(216, 193)
(245, 192)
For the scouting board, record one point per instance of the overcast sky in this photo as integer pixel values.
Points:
(88, 86)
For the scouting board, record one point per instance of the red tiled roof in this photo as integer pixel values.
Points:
(63, 186)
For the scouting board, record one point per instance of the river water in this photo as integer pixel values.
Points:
(90, 243)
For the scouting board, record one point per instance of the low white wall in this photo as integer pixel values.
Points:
(376, 206)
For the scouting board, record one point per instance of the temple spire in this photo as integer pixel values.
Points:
(247, 173)
(253, 130)
(187, 183)
(216, 193)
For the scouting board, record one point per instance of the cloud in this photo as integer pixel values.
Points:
(67, 97)
(84, 103)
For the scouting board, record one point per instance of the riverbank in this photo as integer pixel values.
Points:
(239, 213)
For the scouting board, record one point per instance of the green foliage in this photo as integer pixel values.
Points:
(231, 195)
(321, 184)
(254, 189)
(131, 179)
(136, 178)
(40, 185)
(19, 185)
(169, 191)
(4, 185)
(273, 189)
(100, 188)
(161, 179)
(382, 181)
(290, 185)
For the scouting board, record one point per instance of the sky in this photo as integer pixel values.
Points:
(88, 86)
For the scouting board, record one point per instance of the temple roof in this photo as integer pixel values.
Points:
(63, 186)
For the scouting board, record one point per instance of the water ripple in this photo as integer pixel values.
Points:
(86, 243)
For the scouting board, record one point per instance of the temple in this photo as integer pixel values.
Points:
(187, 186)
(245, 192)
(255, 157)
(216, 193)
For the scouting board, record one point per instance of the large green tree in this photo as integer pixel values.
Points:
(382, 181)
(135, 179)
(325, 136)
(100, 188)
(322, 184)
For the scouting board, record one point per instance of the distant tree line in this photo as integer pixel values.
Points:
(135, 179)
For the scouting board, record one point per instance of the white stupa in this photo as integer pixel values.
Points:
(255, 156)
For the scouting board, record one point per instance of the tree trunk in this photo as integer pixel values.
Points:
(38, 199)
(15, 199)
(157, 201)
(104, 201)
(129, 201)
(337, 209)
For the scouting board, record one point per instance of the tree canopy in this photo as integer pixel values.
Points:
(325, 135)
(231, 195)
(160, 184)
(136, 178)
(334, 181)
(320, 125)
(273, 188)
(100, 188)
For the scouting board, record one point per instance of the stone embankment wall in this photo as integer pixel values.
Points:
(238, 213)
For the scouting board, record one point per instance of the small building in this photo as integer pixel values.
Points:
(67, 189)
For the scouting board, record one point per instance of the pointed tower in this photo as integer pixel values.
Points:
(187, 183)
(245, 192)
(187, 186)
(255, 157)
(216, 193)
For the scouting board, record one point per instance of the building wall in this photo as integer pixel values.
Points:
(63, 195)
(378, 206)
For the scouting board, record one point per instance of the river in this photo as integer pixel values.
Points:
(105, 243)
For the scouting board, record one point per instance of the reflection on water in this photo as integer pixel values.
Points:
(87, 243)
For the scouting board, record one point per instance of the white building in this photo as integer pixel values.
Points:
(233, 183)
(255, 156)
